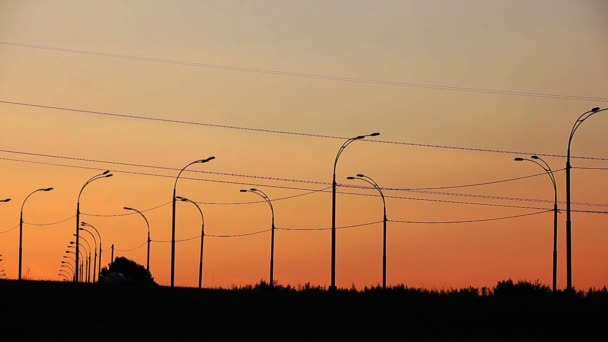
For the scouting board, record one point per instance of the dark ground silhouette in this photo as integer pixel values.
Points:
(65, 311)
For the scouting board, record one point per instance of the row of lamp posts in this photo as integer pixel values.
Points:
(534, 158)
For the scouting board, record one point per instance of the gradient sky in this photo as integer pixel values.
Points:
(472, 76)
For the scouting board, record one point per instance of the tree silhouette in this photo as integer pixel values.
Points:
(126, 271)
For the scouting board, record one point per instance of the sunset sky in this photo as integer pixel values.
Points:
(272, 89)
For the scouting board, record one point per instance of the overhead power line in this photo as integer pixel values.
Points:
(303, 134)
(308, 75)
(419, 190)
(281, 187)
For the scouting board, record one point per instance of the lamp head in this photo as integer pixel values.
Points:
(244, 190)
(359, 137)
(253, 189)
(360, 175)
(47, 189)
(375, 134)
(534, 157)
(109, 175)
(83, 223)
(5, 200)
(350, 177)
(518, 159)
(180, 198)
(105, 172)
(128, 208)
(207, 160)
(595, 109)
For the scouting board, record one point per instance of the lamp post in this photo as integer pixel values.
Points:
(68, 265)
(377, 187)
(267, 199)
(87, 258)
(99, 176)
(173, 217)
(77, 266)
(200, 264)
(549, 172)
(149, 240)
(21, 227)
(85, 224)
(332, 287)
(95, 249)
(586, 115)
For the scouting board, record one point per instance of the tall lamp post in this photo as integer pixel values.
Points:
(267, 199)
(21, 227)
(332, 287)
(149, 240)
(586, 115)
(96, 177)
(200, 263)
(377, 187)
(549, 172)
(85, 224)
(95, 250)
(87, 259)
(173, 216)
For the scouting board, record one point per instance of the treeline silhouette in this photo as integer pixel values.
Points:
(511, 310)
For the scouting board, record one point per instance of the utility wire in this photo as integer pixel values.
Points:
(473, 221)
(305, 75)
(8, 229)
(140, 117)
(110, 162)
(132, 249)
(285, 187)
(321, 190)
(51, 223)
(337, 227)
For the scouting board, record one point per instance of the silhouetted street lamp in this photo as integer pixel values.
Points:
(377, 187)
(173, 217)
(85, 224)
(149, 240)
(586, 115)
(200, 264)
(333, 207)
(21, 227)
(99, 176)
(68, 265)
(549, 172)
(267, 199)
(88, 261)
(95, 249)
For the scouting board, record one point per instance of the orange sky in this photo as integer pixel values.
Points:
(466, 75)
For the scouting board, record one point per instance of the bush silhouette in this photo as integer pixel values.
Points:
(520, 288)
(126, 271)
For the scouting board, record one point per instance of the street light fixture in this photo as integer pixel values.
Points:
(104, 174)
(549, 172)
(95, 249)
(586, 115)
(149, 240)
(267, 199)
(173, 216)
(87, 260)
(200, 264)
(85, 224)
(332, 287)
(5, 200)
(384, 220)
(21, 227)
